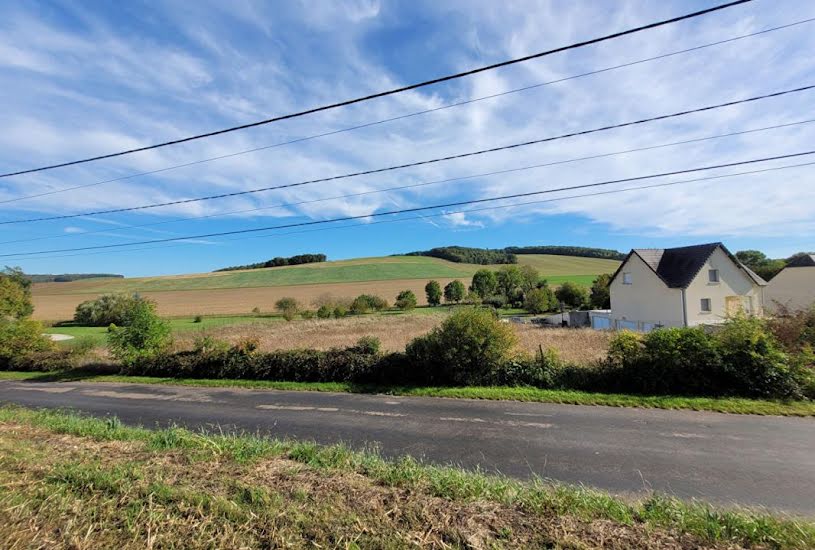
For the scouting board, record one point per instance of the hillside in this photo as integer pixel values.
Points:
(239, 292)
(555, 268)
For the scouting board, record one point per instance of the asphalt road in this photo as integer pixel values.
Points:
(726, 459)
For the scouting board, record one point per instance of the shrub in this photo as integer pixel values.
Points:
(340, 311)
(198, 319)
(19, 337)
(433, 292)
(794, 330)
(256, 310)
(105, 310)
(324, 312)
(307, 314)
(367, 302)
(484, 283)
(454, 292)
(143, 335)
(572, 295)
(406, 300)
(540, 300)
(466, 349)
(496, 301)
(288, 307)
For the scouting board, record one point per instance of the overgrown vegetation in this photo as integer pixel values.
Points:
(143, 335)
(279, 262)
(582, 251)
(764, 266)
(106, 310)
(406, 300)
(247, 492)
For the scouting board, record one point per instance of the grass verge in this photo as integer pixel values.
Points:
(730, 405)
(68, 481)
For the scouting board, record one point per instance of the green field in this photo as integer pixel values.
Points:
(556, 269)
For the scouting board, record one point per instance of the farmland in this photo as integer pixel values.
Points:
(239, 292)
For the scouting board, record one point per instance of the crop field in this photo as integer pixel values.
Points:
(237, 292)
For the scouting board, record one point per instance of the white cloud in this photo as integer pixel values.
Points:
(99, 87)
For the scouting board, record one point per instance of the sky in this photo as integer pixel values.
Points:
(80, 79)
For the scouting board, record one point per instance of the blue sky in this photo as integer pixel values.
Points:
(80, 79)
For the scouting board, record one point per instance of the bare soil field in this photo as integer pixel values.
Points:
(58, 307)
(395, 331)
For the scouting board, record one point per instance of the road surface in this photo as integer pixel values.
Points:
(726, 459)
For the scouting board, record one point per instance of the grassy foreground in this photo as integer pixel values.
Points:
(731, 405)
(73, 481)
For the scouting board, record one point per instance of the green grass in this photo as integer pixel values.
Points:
(539, 500)
(730, 405)
(556, 269)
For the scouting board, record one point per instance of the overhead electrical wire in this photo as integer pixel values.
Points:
(447, 212)
(418, 208)
(409, 87)
(109, 231)
(405, 116)
(418, 163)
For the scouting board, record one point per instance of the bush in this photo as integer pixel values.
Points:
(288, 307)
(433, 292)
(496, 301)
(600, 296)
(307, 314)
(340, 311)
(367, 302)
(406, 300)
(143, 335)
(324, 312)
(466, 349)
(540, 300)
(454, 292)
(256, 310)
(198, 319)
(15, 294)
(105, 310)
(572, 295)
(21, 337)
(794, 330)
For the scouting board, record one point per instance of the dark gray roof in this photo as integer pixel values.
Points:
(677, 267)
(803, 261)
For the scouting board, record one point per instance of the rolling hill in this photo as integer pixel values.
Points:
(241, 291)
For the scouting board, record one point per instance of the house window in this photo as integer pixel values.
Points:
(713, 275)
(626, 278)
(706, 305)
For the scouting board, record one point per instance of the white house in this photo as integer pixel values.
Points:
(794, 286)
(682, 287)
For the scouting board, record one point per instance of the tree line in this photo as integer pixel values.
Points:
(509, 255)
(280, 261)
(764, 266)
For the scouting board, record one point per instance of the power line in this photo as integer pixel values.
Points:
(407, 115)
(418, 163)
(418, 208)
(388, 92)
(449, 212)
(417, 185)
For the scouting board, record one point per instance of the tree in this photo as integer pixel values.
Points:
(15, 294)
(764, 267)
(106, 309)
(144, 334)
(454, 291)
(406, 300)
(433, 291)
(529, 278)
(572, 295)
(484, 283)
(540, 300)
(509, 281)
(600, 297)
(288, 307)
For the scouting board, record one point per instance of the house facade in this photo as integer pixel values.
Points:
(794, 287)
(682, 287)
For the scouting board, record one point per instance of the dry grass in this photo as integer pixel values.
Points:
(63, 491)
(395, 331)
